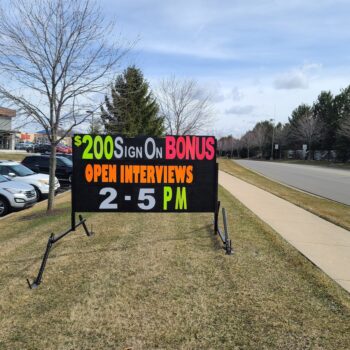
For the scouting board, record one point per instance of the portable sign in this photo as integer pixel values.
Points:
(112, 173)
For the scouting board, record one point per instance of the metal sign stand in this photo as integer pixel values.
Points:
(53, 239)
(223, 235)
(82, 222)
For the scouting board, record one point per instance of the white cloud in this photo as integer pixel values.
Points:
(292, 80)
(273, 103)
(236, 94)
(250, 55)
(217, 97)
(307, 67)
(297, 78)
(240, 110)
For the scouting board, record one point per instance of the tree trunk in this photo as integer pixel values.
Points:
(50, 203)
(309, 156)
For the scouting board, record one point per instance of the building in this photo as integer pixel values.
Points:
(41, 137)
(26, 137)
(7, 135)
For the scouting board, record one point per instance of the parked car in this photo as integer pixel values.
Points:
(18, 172)
(41, 164)
(63, 149)
(65, 155)
(46, 148)
(23, 146)
(15, 195)
(42, 148)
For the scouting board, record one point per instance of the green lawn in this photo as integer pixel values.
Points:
(147, 281)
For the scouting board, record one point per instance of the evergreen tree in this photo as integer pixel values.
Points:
(131, 109)
(326, 112)
(299, 112)
(342, 103)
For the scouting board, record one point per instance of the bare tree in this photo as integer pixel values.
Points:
(234, 143)
(308, 129)
(280, 138)
(248, 140)
(227, 144)
(96, 126)
(344, 129)
(238, 147)
(185, 107)
(260, 133)
(56, 54)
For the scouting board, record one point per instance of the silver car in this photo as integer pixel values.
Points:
(18, 172)
(15, 195)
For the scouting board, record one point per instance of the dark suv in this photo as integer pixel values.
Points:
(41, 148)
(41, 164)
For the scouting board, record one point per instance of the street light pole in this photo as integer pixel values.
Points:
(232, 144)
(273, 136)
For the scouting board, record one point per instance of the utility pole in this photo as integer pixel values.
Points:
(273, 136)
(273, 130)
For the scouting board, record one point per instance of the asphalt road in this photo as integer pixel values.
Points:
(326, 182)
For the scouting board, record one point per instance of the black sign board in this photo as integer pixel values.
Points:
(112, 173)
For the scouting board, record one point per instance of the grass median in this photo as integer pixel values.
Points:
(334, 212)
(18, 157)
(322, 163)
(147, 281)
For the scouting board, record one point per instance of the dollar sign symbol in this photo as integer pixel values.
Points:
(77, 141)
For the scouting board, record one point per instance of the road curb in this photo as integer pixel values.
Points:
(290, 186)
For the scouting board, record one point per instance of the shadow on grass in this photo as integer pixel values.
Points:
(31, 264)
(36, 259)
(42, 214)
(217, 244)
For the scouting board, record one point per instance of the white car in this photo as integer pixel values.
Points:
(15, 195)
(15, 171)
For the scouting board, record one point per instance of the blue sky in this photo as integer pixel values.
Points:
(255, 56)
(259, 59)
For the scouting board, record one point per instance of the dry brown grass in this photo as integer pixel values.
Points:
(147, 281)
(323, 163)
(334, 212)
(13, 156)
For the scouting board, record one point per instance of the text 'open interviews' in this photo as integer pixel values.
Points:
(112, 173)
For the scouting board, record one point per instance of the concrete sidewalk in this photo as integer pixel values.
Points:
(325, 244)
